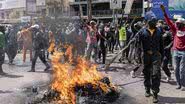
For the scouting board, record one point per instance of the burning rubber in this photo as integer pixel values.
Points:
(78, 83)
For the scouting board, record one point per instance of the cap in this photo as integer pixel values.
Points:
(35, 26)
(180, 20)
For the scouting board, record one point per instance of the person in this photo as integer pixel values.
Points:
(102, 44)
(26, 37)
(51, 48)
(91, 42)
(2, 46)
(152, 45)
(117, 44)
(178, 31)
(38, 47)
(11, 44)
(135, 53)
(112, 39)
(167, 40)
(122, 39)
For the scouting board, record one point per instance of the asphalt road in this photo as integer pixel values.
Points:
(17, 83)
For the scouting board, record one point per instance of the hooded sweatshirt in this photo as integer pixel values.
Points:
(179, 35)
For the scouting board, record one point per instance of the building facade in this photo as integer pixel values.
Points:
(101, 9)
(13, 10)
(57, 8)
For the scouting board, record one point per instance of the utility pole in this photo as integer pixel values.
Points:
(89, 9)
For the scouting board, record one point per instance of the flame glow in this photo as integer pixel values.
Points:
(67, 76)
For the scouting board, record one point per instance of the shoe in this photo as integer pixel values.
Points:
(155, 98)
(132, 74)
(141, 74)
(120, 60)
(147, 94)
(183, 89)
(31, 70)
(178, 87)
(168, 79)
(47, 68)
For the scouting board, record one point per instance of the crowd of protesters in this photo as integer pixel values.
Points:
(155, 45)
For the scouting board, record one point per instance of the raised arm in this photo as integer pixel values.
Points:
(167, 19)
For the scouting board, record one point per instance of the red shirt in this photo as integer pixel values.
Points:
(179, 35)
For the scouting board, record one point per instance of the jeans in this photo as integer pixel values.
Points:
(91, 48)
(179, 66)
(123, 44)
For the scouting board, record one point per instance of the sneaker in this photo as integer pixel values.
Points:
(183, 89)
(31, 70)
(178, 87)
(47, 68)
(168, 79)
(155, 99)
(141, 74)
(132, 74)
(147, 94)
(120, 60)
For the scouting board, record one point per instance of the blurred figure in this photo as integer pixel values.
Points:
(38, 47)
(117, 44)
(26, 37)
(102, 44)
(91, 42)
(11, 43)
(168, 43)
(2, 46)
(178, 31)
(112, 39)
(122, 39)
(51, 48)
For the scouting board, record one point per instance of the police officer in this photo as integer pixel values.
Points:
(38, 47)
(2, 46)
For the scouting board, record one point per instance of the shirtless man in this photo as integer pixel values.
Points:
(26, 37)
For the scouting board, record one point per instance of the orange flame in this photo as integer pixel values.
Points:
(66, 76)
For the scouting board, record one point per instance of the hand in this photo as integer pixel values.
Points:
(163, 8)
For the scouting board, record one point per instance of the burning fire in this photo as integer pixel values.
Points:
(67, 75)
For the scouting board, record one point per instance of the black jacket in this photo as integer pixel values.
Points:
(39, 41)
(151, 43)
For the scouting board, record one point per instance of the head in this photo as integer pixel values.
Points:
(138, 25)
(93, 23)
(180, 23)
(160, 23)
(152, 23)
(35, 27)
